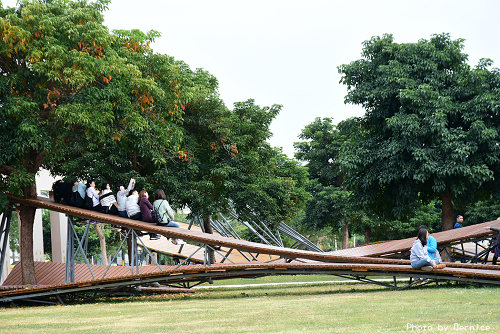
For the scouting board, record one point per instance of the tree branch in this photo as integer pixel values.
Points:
(6, 170)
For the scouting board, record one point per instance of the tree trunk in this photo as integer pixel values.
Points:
(208, 229)
(447, 212)
(345, 235)
(102, 242)
(368, 234)
(27, 218)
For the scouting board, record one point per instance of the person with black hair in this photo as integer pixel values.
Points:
(78, 194)
(460, 221)
(108, 200)
(166, 213)
(419, 256)
(146, 208)
(432, 249)
(93, 195)
(132, 205)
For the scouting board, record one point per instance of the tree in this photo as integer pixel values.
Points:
(264, 179)
(431, 127)
(227, 162)
(73, 101)
(330, 203)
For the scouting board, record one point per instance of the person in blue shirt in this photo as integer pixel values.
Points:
(460, 220)
(432, 249)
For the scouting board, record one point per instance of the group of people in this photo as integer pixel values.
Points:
(128, 203)
(425, 256)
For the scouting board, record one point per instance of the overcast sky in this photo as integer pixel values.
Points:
(287, 52)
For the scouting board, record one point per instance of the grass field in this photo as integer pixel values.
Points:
(312, 308)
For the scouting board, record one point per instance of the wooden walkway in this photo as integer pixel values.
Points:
(443, 238)
(294, 261)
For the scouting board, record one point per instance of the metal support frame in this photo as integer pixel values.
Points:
(4, 236)
(82, 247)
(71, 255)
(480, 255)
(299, 238)
(192, 279)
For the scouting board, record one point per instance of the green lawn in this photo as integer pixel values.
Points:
(320, 308)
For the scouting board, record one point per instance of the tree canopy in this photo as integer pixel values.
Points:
(84, 102)
(431, 127)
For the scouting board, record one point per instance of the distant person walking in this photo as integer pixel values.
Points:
(460, 221)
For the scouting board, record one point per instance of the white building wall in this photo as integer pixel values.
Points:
(6, 266)
(58, 221)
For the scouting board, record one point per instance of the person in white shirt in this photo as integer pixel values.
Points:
(121, 196)
(132, 205)
(92, 193)
(108, 200)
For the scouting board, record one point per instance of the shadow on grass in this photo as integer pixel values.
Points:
(247, 292)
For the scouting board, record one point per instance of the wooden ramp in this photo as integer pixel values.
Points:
(294, 261)
(188, 273)
(443, 238)
(165, 246)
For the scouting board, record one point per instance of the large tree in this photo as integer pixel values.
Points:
(74, 101)
(330, 204)
(431, 127)
(226, 162)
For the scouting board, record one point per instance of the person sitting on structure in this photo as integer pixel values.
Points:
(432, 249)
(78, 194)
(121, 197)
(165, 212)
(108, 200)
(419, 256)
(132, 205)
(93, 195)
(146, 207)
(496, 250)
(460, 220)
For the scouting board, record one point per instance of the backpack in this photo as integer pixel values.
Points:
(88, 204)
(155, 215)
(62, 191)
(76, 200)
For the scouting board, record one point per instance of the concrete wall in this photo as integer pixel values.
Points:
(58, 221)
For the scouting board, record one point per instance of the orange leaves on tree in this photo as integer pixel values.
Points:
(90, 47)
(144, 99)
(52, 96)
(184, 156)
(106, 78)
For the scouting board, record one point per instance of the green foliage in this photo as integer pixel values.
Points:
(330, 203)
(47, 239)
(86, 103)
(77, 100)
(264, 179)
(14, 233)
(431, 125)
(482, 211)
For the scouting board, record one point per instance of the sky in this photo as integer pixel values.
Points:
(287, 52)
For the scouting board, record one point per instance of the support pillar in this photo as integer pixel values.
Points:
(38, 254)
(58, 233)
